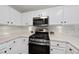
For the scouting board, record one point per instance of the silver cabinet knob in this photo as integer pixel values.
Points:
(70, 49)
(11, 22)
(57, 44)
(10, 48)
(51, 49)
(13, 41)
(8, 22)
(5, 51)
(64, 21)
(61, 21)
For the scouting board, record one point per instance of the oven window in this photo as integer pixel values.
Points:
(38, 49)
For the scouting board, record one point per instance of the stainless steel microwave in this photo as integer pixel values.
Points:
(40, 21)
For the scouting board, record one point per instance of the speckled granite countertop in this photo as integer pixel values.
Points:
(10, 32)
(68, 33)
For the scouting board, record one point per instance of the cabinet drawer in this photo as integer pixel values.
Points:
(59, 44)
(71, 49)
(4, 51)
(57, 50)
(25, 40)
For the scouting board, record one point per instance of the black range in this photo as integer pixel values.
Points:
(39, 43)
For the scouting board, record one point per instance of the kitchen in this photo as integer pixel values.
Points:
(54, 27)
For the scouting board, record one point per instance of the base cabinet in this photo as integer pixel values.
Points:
(57, 50)
(70, 49)
(20, 46)
(15, 46)
(58, 47)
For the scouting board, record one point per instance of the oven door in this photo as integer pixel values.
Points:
(38, 49)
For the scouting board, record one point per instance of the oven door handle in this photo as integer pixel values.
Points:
(46, 44)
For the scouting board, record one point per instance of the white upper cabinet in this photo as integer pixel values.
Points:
(55, 15)
(28, 17)
(71, 14)
(4, 14)
(9, 16)
(15, 17)
(39, 13)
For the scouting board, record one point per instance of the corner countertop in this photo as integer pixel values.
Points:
(10, 32)
(10, 36)
(66, 38)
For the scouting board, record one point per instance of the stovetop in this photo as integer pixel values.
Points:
(40, 35)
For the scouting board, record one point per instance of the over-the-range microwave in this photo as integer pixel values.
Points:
(40, 21)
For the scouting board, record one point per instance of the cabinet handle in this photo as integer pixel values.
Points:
(64, 21)
(40, 15)
(61, 21)
(70, 49)
(57, 44)
(8, 22)
(13, 41)
(5, 51)
(24, 40)
(11, 22)
(10, 48)
(51, 49)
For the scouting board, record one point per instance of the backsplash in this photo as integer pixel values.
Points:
(65, 30)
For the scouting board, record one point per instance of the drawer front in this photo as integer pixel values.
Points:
(4, 51)
(71, 50)
(59, 44)
(25, 40)
(57, 50)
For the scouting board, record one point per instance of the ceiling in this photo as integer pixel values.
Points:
(27, 8)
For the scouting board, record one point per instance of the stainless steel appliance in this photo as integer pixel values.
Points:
(39, 42)
(40, 21)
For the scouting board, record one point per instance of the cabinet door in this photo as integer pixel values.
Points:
(24, 46)
(70, 49)
(27, 19)
(21, 46)
(71, 14)
(24, 49)
(58, 43)
(57, 50)
(4, 14)
(40, 13)
(55, 15)
(3, 48)
(11, 47)
(15, 17)
(4, 51)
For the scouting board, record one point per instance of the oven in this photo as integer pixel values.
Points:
(39, 43)
(38, 49)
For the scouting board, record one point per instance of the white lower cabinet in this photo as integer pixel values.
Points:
(71, 49)
(25, 46)
(15, 46)
(58, 47)
(57, 50)
(57, 44)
